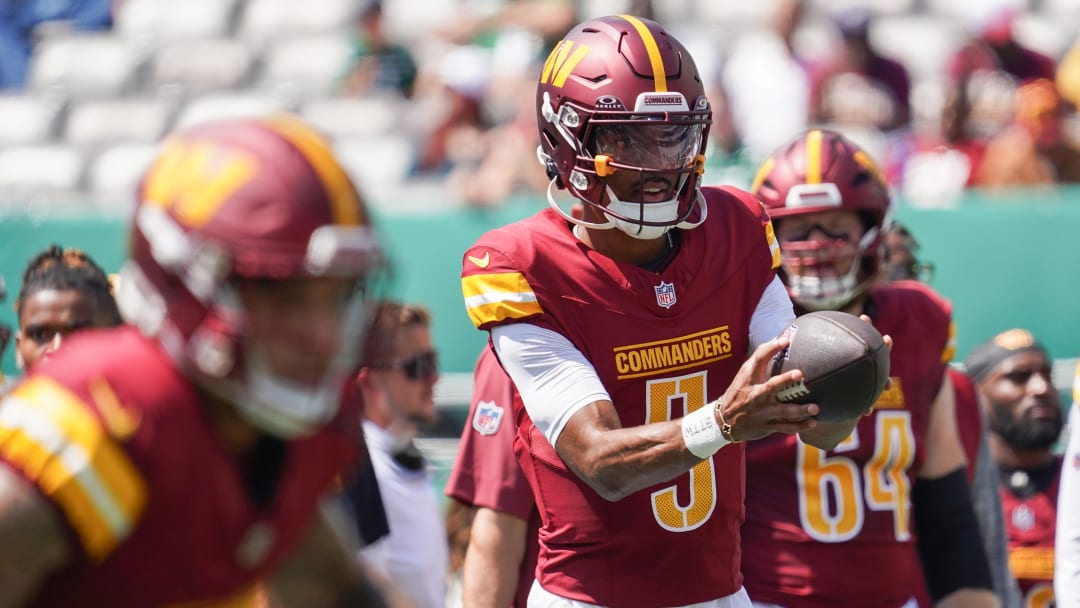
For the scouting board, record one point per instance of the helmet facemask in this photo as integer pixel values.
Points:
(188, 299)
(664, 151)
(827, 274)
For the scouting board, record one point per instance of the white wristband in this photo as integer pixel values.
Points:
(701, 432)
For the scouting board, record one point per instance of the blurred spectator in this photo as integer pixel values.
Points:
(766, 87)
(505, 160)
(1068, 76)
(19, 18)
(1008, 53)
(860, 86)
(378, 63)
(549, 19)
(1035, 149)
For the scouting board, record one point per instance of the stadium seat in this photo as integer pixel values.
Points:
(305, 66)
(114, 173)
(84, 64)
(227, 105)
(114, 120)
(265, 19)
(378, 164)
(354, 116)
(27, 118)
(40, 167)
(158, 19)
(972, 14)
(1061, 8)
(202, 65)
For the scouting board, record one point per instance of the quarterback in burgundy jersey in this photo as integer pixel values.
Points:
(180, 460)
(486, 476)
(1012, 372)
(840, 527)
(626, 331)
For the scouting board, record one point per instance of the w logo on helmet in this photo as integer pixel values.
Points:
(562, 61)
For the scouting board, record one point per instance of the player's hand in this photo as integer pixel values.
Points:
(750, 406)
(888, 344)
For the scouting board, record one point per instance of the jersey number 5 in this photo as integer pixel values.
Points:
(831, 488)
(664, 395)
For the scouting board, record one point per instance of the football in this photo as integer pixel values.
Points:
(844, 360)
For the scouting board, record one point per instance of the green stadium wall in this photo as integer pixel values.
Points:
(1003, 261)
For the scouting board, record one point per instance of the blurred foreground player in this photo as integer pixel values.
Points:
(838, 527)
(185, 457)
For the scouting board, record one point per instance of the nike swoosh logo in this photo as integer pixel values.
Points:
(481, 262)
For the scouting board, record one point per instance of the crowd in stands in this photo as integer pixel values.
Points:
(434, 100)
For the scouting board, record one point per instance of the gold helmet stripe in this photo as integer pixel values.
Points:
(813, 156)
(659, 75)
(344, 201)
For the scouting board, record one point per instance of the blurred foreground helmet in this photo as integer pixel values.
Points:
(240, 200)
(823, 171)
(620, 94)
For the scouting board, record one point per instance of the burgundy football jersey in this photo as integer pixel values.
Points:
(485, 472)
(823, 526)
(663, 344)
(1030, 524)
(156, 509)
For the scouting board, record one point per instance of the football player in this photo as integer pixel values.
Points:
(500, 561)
(903, 469)
(1012, 372)
(184, 457)
(627, 332)
(898, 254)
(63, 291)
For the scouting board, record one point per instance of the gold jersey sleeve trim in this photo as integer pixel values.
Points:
(490, 298)
(49, 434)
(950, 344)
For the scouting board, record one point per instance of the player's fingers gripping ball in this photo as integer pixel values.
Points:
(844, 360)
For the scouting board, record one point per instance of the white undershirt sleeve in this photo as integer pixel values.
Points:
(774, 312)
(554, 378)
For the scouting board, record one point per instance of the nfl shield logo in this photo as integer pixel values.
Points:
(665, 294)
(487, 418)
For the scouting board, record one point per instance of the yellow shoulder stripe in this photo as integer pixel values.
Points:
(53, 438)
(490, 298)
(950, 345)
(774, 246)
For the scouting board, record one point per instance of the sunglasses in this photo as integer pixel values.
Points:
(420, 366)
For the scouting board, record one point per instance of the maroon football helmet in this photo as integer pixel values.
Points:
(822, 171)
(617, 94)
(237, 200)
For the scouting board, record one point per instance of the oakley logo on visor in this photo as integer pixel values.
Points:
(813, 195)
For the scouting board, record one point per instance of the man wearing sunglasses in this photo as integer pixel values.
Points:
(397, 384)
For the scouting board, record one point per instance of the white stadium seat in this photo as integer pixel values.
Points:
(27, 118)
(308, 65)
(201, 65)
(265, 19)
(158, 19)
(354, 116)
(84, 64)
(49, 167)
(112, 120)
(227, 106)
(377, 164)
(114, 173)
